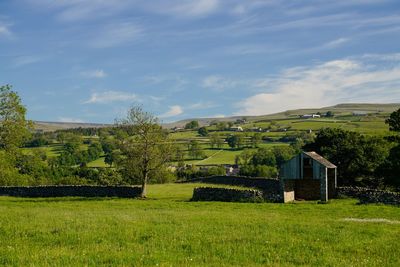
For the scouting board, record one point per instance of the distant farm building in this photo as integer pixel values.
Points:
(308, 176)
(310, 116)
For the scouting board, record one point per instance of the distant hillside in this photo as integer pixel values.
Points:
(53, 126)
(340, 109)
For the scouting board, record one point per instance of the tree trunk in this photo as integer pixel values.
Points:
(144, 186)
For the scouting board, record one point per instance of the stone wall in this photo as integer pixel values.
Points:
(368, 195)
(226, 195)
(71, 191)
(270, 187)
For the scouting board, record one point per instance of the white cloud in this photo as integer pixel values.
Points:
(111, 96)
(345, 80)
(71, 120)
(218, 83)
(74, 10)
(116, 34)
(94, 74)
(25, 60)
(336, 43)
(5, 31)
(183, 8)
(172, 112)
(202, 105)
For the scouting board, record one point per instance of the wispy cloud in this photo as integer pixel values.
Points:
(116, 34)
(5, 31)
(218, 83)
(336, 43)
(110, 97)
(332, 82)
(187, 8)
(201, 105)
(94, 74)
(75, 10)
(172, 112)
(25, 60)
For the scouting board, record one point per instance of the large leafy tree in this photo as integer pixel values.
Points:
(394, 121)
(146, 149)
(391, 168)
(14, 128)
(357, 156)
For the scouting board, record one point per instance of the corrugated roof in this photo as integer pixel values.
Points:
(320, 159)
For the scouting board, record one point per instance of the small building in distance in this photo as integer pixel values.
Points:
(310, 116)
(236, 129)
(308, 176)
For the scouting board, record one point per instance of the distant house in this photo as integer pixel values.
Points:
(308, 176)
(310, 116)
(236, 129)
(232, 171)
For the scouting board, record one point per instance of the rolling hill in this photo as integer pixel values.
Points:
(340, 109)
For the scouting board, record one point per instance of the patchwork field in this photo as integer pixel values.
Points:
(169, 230)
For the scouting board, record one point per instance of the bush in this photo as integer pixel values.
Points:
(259, 171)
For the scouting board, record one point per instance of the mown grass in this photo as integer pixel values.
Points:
(168, 230)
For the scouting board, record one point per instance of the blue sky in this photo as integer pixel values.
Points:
(88, 61)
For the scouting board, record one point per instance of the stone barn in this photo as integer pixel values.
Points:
(308, 176)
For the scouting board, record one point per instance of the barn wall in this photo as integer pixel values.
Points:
(307, 189)
(331, 183)
(291, 169)
(288, 191)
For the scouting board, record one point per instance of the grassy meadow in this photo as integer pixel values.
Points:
(169, 230)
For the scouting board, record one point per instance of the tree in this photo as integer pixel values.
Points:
(14, 128)
(356, 156)
(264, 156)
(235, 141)
(329, 114)
(192, 125)
(216, 140)
(391, 168)
(255, 140)
(146, 150)
(283, 154)
(394, 121)
(202, 131)
(244, 158)
(221, 126)
(195, 151)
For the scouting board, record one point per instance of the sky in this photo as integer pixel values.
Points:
(90, 60)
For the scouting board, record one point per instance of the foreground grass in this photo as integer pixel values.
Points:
(168, 230)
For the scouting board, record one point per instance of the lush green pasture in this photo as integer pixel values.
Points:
(168, 230)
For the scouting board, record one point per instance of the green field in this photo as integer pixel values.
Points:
(168, 230)
(290, 124)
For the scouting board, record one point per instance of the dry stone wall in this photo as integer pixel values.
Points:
(270, 187)
(368, 195)
(71, 191)
(227, 195)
